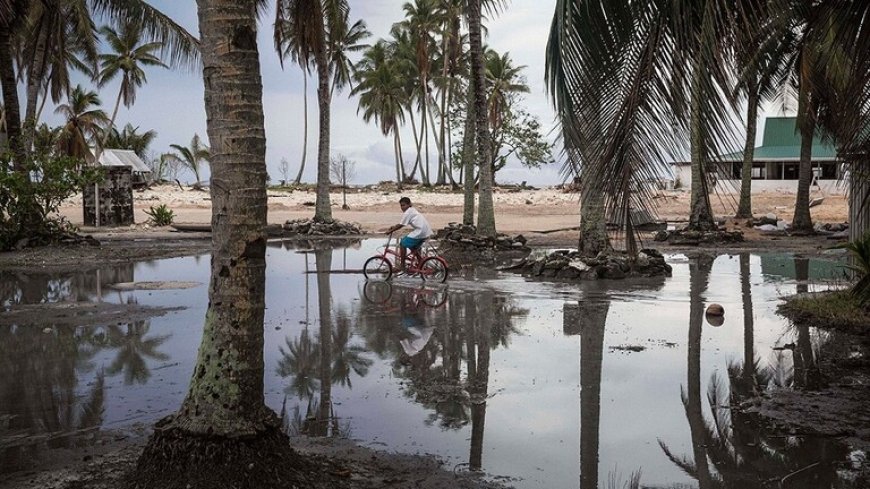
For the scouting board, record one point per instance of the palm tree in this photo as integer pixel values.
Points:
(128, 58)
(306, 28)
(421, 22)
(61, 28)
(632, 81)
(84, 122)
(486, 212)
(225, 399)
(58, 35)
(381, 95)
(193, 156)
(130, 138)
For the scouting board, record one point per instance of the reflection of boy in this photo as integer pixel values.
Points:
(414, 325)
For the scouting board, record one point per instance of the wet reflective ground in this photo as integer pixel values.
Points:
(538, 384)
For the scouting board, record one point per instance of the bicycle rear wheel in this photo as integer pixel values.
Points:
(377, 268)
(434, 269)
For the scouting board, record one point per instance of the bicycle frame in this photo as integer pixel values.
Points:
(413, 258)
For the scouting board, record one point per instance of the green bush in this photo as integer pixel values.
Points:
(30, 199)
(161, 215)
(860, 252)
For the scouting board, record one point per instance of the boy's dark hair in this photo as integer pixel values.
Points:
(405, 200)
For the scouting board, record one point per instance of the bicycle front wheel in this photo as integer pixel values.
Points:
(434, 269)
(377, 268)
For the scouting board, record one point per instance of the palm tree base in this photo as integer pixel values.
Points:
(178, 459)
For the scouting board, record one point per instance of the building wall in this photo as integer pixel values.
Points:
(831, 187)
(116, 198)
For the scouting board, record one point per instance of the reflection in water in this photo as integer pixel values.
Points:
(43, 403)
(416, 326)
(737, 449)
(588, 319)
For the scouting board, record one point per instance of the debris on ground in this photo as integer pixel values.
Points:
(573, 265)
(310, 227)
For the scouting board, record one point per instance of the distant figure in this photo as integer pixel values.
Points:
(420, 232)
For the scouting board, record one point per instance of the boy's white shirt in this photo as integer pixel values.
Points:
(415, 220)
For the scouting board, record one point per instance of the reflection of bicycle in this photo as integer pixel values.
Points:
(382, 265)
(380, 292)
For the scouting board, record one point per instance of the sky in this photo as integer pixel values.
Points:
(171, 103)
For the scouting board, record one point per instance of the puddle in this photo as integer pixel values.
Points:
(547, 385)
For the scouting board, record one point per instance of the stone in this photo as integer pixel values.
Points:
(578, 265)
(642, 260)
(772, 217)
(766, 228)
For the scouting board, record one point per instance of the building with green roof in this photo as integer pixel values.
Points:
(776, 162)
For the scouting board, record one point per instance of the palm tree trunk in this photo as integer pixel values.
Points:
(744, 209)
(224, 416)
(42, 104)
(424, 137)
(468, 147)
(11, 104)
(593, 222)
(486, 212)
(401, 158)
(803, 221)
(700, 212)
(111, 125)
(304, 126)
(417, 142)
(396, 151)
(34, 83)
(439, 146)
(322, 207)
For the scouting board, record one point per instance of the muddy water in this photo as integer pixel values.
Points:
(537, 385)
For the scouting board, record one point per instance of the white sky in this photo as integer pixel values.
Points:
(172, 101)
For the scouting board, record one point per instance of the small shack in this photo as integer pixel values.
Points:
(114, 195)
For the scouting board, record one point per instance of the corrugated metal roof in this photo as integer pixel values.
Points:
(782, 142)
(123, 157)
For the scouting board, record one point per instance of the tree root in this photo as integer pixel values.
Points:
(176, 459)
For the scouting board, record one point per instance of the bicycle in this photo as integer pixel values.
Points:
(383, 265)
(380, 293)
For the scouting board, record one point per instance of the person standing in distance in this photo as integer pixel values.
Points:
(419, 233)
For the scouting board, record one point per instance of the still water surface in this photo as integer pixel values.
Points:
(537, 384)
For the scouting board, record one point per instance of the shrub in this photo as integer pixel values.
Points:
(161, 215)
(29, 201)
(860, 252)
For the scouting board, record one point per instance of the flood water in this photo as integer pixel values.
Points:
(538, 385)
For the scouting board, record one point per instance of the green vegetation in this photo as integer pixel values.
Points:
(860, 252)
(29, 201)
(836, 310)
(161, 215)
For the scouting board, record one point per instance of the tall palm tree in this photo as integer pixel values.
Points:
(381, 96)
(130, 138)
(421, 23)
(486, 212)
(193, 156)
(225, 399)
(305, 27)
(58, 35)
(128, 58)
(84, 122)
(345, 39)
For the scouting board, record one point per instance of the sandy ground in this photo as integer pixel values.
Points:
(516, 211)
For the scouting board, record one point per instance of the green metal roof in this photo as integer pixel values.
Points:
(781, 141)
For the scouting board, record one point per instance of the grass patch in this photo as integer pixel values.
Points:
(830, 310)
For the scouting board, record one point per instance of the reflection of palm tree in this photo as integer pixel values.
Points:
(346, 357)
(299, 362)
(699, 276)
(323, 264)
(479, 383)
(133, 348)
(806, 372)
(593, 319)
(748, 319)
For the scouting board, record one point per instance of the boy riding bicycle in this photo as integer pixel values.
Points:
(419, 233)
